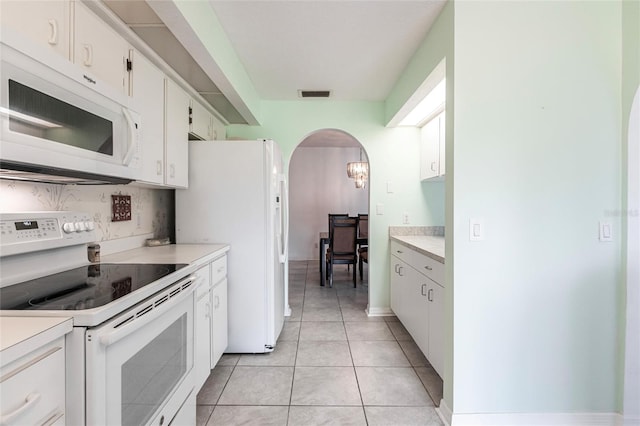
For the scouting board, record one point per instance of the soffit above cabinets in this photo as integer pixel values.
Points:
(143, 21)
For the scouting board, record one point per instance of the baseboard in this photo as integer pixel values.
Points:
(536, 419)
(444, 412)
(379, 312)
(629, 421)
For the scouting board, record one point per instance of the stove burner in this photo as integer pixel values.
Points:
(86, 287)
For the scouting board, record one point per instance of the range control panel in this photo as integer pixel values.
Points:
(34, 231)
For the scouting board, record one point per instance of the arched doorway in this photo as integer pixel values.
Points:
(318, 186)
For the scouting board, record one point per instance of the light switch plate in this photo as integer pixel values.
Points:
(476, 229)
(379, 209)
(605, 231)
(389, 188)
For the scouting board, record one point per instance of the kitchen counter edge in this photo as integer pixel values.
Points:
(430, 246)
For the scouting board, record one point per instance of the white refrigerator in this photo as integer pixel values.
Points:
(238, 195)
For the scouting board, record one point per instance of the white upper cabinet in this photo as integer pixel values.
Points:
(200, 122)
(44, 22)
(99, 48)
(176, 135)
(146, 89)
(432, 155)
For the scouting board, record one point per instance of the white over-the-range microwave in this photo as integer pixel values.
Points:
(58, 120)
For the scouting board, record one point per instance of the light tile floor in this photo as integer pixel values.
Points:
(333, 365)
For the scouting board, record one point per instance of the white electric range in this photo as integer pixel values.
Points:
(129, 357)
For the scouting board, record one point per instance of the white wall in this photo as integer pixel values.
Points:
(318, 185)
(537, 154)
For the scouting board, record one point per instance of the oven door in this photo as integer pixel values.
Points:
(139, 364)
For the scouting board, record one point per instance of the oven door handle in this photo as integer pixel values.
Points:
(138, 322)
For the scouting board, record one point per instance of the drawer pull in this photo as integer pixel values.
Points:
(429, 268)
(430, 296)
(400, 271)
(29, 401)
(422, 289)
(399, 251)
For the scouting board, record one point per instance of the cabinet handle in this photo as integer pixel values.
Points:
(159, 167)
(88, 55)
(422, 289)
(430, 297)
(400, 271)
(429, 268)
(208, 309)
(399, 251)
(433, 166)
(53, 37)
(29, 401)
(172, 170)
(216, 304)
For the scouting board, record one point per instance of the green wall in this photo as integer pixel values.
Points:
(393, 157)
(537, 155)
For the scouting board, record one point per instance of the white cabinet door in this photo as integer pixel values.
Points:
(147, 93)
(202, 352)
(99, 48)
(432, 154)
(436, 327)
(417, 308)
(396, 286)
(44, 22)
(220, 333)
(200, 122)
(33, 387)
(176, 135)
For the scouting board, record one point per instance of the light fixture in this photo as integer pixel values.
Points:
(359, 171)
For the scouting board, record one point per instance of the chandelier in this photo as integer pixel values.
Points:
(359, 171)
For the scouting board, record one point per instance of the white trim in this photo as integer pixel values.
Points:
(537, 419)
(632, 340)
(379, 312)
(444, 412)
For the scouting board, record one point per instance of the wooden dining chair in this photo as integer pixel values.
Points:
(342, 246)
(363, 241)
(332, 217)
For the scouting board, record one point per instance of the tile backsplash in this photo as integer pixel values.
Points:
(152, 209)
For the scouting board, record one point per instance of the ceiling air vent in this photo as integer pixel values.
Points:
(314, 93)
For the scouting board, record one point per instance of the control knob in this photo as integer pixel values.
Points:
(80, 226)
(68, 227)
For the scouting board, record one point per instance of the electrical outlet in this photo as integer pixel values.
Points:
(405, 218)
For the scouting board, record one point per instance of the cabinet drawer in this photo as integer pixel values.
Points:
(420, 262)
(401, 252)
(428, 266)
(33, 387)
(204, 281)
(218, 269)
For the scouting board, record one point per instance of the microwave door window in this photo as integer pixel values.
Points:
(37, 114)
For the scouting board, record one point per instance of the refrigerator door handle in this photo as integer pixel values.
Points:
(284, 219)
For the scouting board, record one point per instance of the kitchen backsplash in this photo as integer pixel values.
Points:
(152, 209)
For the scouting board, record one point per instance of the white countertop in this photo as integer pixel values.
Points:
(193, 254)
(21, 335)
(428, 245)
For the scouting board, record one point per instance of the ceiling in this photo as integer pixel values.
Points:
(357, 49)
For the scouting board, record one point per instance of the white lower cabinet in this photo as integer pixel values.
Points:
(219, 329)
(202, 333)
(418, 301)
(211, 332)
(33, 387)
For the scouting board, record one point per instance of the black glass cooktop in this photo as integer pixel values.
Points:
(86, 287)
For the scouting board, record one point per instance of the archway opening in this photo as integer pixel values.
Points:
(319, 186)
